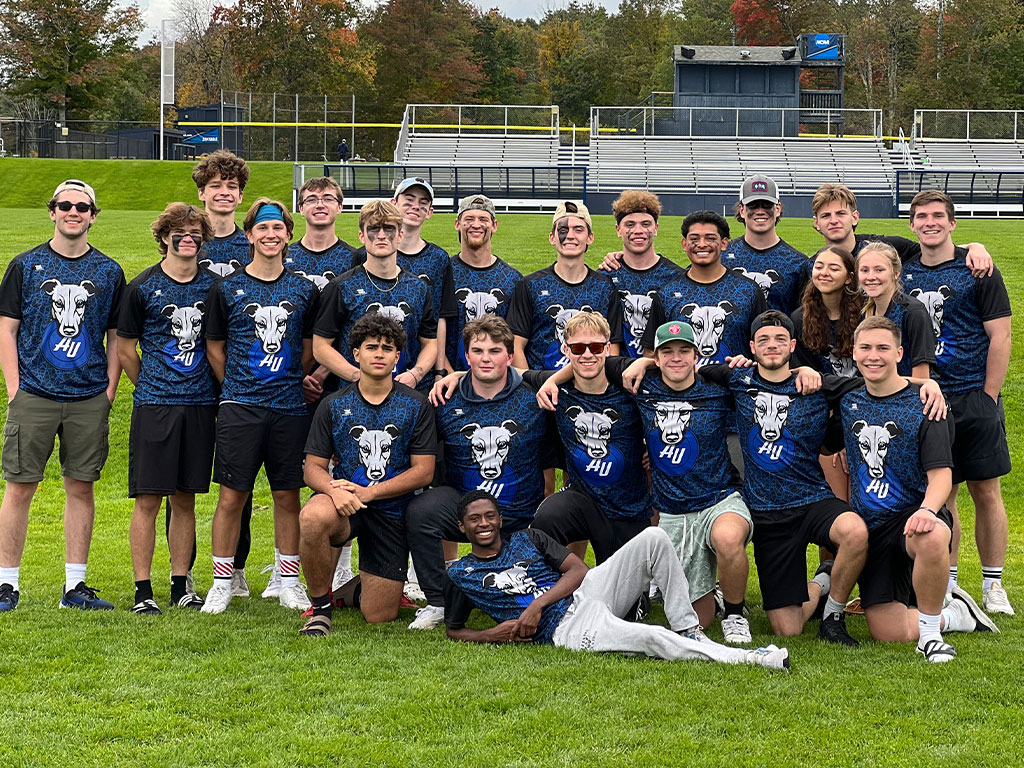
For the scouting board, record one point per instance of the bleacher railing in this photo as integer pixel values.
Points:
(483, 120)
(734, 122)
(974, 193)
(970, 124)
(508, 186)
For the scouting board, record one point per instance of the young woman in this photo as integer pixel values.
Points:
(878, 276)
(828, 314)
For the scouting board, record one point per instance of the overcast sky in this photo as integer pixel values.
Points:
(154, 11)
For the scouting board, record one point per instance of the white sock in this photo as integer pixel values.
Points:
(991, 574)
(927, 628)
(410, 575)
(10, 576)
(289, 570)
(74, 574)
(833, 607)
(223, 567)
(346, 555)
(277, 560)
(952, 578)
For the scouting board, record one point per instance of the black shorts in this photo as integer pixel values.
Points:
(170, 449)
(570, 515)
(249, 437)
(780, 549)
(980, 450)
(888, 571)
(383, 545)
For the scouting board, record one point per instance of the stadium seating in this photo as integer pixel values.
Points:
(455, 149)
(971, 155)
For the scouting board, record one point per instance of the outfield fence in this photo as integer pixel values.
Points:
(970, 124)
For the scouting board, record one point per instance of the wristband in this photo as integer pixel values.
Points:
(440, 372)
(929, 509)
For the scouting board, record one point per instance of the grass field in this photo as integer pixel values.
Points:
(244, 689)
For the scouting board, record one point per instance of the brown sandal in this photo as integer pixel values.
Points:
(316, 626)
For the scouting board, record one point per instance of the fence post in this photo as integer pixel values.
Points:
(295, 158)
(325, 127)
(273, 127)
(968, 125)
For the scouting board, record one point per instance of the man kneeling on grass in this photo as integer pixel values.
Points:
(383, 437)
(538, 591)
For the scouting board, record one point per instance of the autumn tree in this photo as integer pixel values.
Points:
(576, 63)
(67, 53)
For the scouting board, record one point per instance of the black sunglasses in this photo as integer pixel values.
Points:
(595, 347)
(66, 206)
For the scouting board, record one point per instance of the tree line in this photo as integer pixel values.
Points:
(81, 59)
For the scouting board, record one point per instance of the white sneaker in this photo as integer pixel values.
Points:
(239, 586)
(995, 600)
(342, 574)
(770, 656)
(964, 615)
(736, 630)
(217, 598)
(273, 590)
(294, 596)
(428, 617)
(413, 592)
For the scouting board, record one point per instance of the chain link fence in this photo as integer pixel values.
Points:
(735, 122)
(969, 124)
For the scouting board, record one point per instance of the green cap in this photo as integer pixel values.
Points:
(675, 330)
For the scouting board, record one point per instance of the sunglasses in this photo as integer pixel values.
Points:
(389, 231)
(66, 206)
(595, 347)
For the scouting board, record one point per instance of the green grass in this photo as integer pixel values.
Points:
(244, 689)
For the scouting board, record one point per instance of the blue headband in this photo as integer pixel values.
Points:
(268, 212)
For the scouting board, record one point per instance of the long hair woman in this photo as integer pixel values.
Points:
(828, 314)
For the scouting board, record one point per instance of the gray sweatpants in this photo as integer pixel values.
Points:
(594, 620)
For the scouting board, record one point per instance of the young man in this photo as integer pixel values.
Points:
(718, 304)
(544, 300)
(494, 437)
(607, 501)
(383, 438)
(220, 178)
(320, 255)
(379, 286)
(58, 304)
(482, 282)
(174, 419)
(971, 319)
(259, 328)
(836, 218)
(539, 592)
(779, 268)
(900, 477)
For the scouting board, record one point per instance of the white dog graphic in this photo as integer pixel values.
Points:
(67, 304)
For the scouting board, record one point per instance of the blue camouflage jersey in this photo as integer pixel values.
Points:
(604, 447)
(780, 432)
(223, 255)
(830, 363)
(356, 293)
(496, 445)
(890, 445)
(958, 305)
(685, 432)
(168, 318)
(503, 586)
(918, 339)
(373, 443)
(543, 303)
(65, 308)
(781, 271)
(433, 266)
(264, 324)
(319, 267)
(720, 313)
(637, 288)
(478, 291)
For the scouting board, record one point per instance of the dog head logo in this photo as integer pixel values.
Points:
(271, 324)
(221, 270)
(672, 419)
(935, 303)
(637, 310)
(490, 446)
(67, 304)
(770, 413)
(375, 449)
(514, 580)
(765, 280)
(593, 430)
(873, 442)
(397, 313)
(561, 316)
(708, 325)
(186, 324)
(477, 303)
(320, 281)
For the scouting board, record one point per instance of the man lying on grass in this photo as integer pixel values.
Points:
(538, 591)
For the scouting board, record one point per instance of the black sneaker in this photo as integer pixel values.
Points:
(8, 598)
(147, 607)
(833, 630)
(640, 609)
(189, 600)
(819, 611)
(84, 599)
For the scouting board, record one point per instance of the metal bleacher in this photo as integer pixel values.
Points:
(460, 149)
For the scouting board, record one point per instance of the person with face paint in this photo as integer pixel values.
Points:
(175, 411)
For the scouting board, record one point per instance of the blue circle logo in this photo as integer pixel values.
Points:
(945, 347)
(880, 494)
(183, 362)
(359, 477)
(269, 367)
(553, 358)
(674, 459)
(503, 488)
(599, 473)
(770, 455)
(63, 352)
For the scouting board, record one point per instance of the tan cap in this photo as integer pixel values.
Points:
(476, 203)
(570, 208)
(77, 186)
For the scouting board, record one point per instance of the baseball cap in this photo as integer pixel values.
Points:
(674, 331)
(772, 319)
(570, 208)
(759, 187)
(77, 186)
(476, 203)
(406, 184)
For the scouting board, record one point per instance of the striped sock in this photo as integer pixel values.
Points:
(952, 578)
(289, 570)
(223, 567)
(990, 575)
